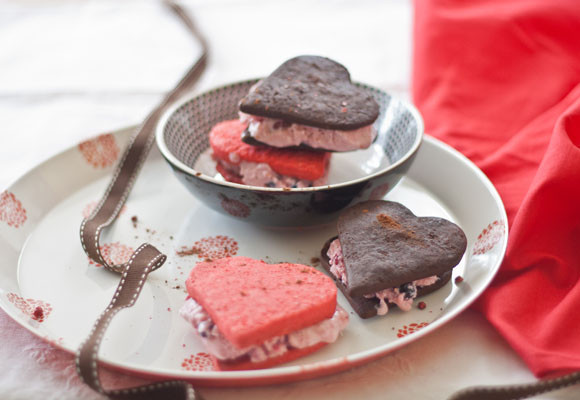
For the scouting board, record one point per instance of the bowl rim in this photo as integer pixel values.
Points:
(176, 163)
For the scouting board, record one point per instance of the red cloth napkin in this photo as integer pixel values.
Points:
(500, 81)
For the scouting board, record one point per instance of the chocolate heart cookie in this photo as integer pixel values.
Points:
(310, 101)
(386, 255)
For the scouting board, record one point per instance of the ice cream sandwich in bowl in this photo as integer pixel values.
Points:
(202, 139)
(310, 102)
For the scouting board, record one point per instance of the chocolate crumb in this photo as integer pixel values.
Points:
(134, 221)
(188, 252)
(170, 237)
(314, 260)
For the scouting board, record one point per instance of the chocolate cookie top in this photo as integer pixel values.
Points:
(314, 91)
(385, 245)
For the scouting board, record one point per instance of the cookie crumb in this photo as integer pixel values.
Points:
(38, 312)
(188, 251)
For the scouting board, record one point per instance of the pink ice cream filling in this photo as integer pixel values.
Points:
(402, 296)
(326, 331)
(278, 133)
(261, 174)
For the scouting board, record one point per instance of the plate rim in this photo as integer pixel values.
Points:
(282, 373)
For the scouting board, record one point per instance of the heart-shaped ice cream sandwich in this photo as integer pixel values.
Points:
(251, 314)
(310, 101)
(264, 166)
(386, 255)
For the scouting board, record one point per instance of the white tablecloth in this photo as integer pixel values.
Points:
(70, 70)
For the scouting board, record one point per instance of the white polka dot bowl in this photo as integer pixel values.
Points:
(182, 138)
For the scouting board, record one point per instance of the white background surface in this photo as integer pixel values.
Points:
(72, 69)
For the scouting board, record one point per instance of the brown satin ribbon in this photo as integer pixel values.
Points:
(513, 392)
(146, 258)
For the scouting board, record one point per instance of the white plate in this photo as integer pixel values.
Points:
(44, 265)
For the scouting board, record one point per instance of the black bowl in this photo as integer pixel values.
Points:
(182, 138)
